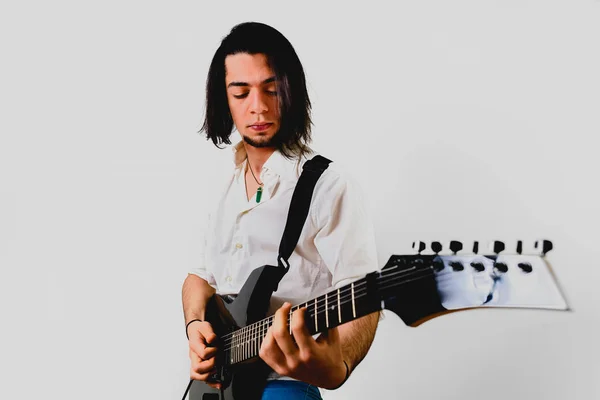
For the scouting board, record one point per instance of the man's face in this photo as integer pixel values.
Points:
(252, 96)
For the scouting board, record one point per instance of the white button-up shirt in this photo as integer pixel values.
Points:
(336, 247)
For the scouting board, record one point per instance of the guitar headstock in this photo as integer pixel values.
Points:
(442, 278)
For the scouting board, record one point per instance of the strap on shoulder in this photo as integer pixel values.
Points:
(299, 206)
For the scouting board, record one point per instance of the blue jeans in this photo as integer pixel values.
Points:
(290, 390)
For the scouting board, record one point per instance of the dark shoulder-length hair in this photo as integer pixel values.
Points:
(294, 105)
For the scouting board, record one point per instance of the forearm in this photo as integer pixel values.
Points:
(195, 294)
(356, 338)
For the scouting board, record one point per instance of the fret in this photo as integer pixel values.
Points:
(316, 322)
(234, 341)
(242, 344)
(256, 339)
(245, 354)
(252, 341)
(234, 346)
(353, 304)
(326, 312)
(306, 314)
(248, 341)
(260, 334)
(339, 307)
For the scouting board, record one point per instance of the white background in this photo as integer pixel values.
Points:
(461, 120)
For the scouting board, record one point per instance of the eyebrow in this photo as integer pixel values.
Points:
(268, 80)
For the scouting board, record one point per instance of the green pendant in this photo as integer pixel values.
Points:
(258, 194)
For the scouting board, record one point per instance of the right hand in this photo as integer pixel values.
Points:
(202, 356)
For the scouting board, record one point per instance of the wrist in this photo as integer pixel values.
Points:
(188, 325)
(347, 375)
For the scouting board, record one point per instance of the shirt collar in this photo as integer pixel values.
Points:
(285, 168)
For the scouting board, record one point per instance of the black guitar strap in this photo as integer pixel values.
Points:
(299, 206)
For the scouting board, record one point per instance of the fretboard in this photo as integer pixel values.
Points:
(334, 308)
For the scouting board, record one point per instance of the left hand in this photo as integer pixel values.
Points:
(317, 362)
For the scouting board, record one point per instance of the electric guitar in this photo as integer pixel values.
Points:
(416, 287)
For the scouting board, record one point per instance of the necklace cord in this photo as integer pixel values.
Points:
(252, 172)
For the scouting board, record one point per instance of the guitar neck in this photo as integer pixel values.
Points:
(334, 308)
(417, 288)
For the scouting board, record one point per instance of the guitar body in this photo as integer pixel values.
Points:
(245, 380)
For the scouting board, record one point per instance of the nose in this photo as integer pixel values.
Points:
(258, 103)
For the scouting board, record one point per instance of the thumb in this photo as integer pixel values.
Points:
(196, 342)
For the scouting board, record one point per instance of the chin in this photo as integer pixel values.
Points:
(263, 139)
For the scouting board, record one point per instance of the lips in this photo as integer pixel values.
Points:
(261, 126)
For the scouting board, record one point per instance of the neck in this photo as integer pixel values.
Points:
(258, 156)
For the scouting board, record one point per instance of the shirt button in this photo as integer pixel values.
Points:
(228, 279)
(238, 245)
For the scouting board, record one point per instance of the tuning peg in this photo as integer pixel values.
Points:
(457, 266)
(525, 267)
(498, 247)
(418, 247)
(438, 265)
(475, 247)
(436, 247)
(519, 247)
(544, 247)
(501, 266)
(455, 246)
(478, 266)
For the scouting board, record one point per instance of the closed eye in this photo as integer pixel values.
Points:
(244, 95)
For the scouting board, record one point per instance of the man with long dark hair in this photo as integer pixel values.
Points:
(256, 84)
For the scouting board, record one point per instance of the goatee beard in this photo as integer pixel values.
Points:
(271, 142)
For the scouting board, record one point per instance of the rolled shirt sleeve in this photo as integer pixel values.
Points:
(201, 269)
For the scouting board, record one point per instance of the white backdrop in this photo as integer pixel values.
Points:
(461, 120)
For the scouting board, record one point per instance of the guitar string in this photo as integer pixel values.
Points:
(320, 303)
(333, 295)
(248, 336)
